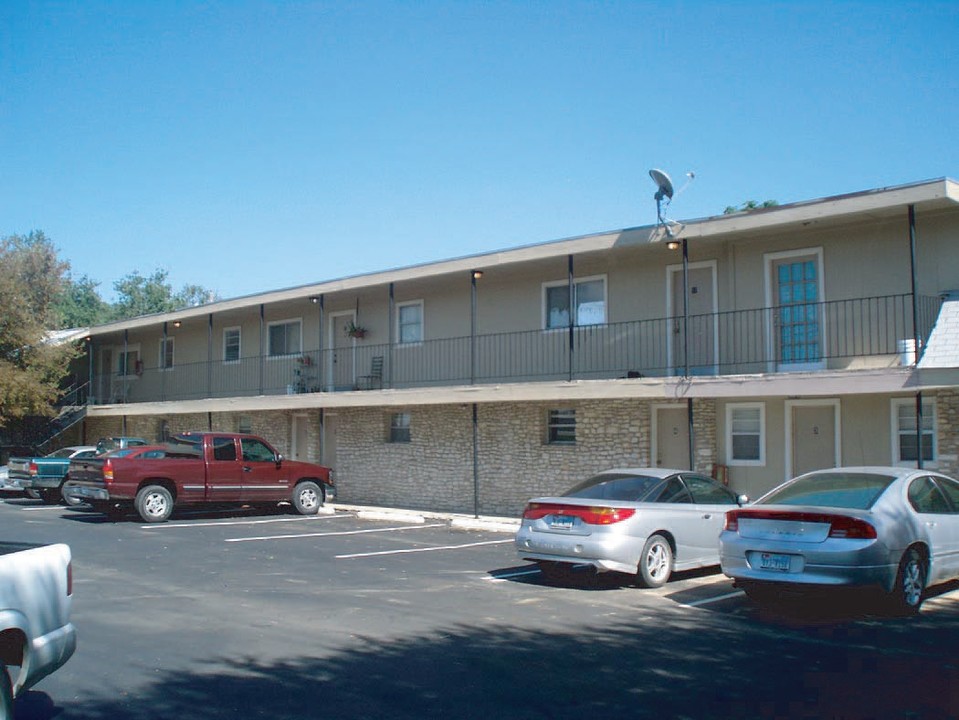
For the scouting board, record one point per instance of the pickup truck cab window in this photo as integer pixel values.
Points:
(224, 448)
(257, 451)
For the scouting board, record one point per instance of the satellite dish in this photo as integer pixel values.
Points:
(663, 182)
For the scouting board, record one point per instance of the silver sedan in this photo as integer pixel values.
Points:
(643, 521)
(893, 528)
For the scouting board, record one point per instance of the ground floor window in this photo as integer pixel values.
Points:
(400, 427)
(561, 427)
(745, 434)
(904, 441)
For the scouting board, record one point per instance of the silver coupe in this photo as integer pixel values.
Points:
(647, 522)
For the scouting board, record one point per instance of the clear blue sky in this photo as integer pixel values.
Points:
(251, 146)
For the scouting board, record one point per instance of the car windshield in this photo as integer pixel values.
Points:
(615, 487)
(852, 490)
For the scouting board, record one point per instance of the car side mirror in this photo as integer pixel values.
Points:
(742, 499)
(279, 459)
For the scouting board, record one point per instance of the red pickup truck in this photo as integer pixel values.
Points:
(194, 468)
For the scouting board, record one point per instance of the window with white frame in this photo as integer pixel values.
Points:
(166, 354)
(409, 322)
(561, 427)
(904, 440)
(231, 345)
(128, 362)
(746, 434)
(285, 338)
(589, 301)
(400, 427)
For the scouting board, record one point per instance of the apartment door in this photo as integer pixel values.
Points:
(104, 390)
(342, 371)
(301, 438)
(814, 439)
(672, 437)
(797, 312)
(701, 309)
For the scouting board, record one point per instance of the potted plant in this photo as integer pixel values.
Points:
(355, 331)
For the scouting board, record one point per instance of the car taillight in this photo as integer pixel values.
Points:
(596, 515)
(108, 471)
(70, 578)
(732, 521)
(849, 527)
(33, 469)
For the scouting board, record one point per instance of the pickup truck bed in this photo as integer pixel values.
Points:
(36, 635)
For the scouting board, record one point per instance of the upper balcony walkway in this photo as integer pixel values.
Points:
(869, 332)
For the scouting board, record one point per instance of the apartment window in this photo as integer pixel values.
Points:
(589, 301)
(409, 322)
(128, 363)
(400, 427)
(285, 338)
(561, 427)
(905, 445)
(244, 424)
(166, 353)
(746, 434)
(231, 345)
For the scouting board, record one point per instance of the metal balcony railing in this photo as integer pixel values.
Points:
(807, 336)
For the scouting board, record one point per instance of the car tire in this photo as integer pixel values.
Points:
(656, 562)
(910, 588)
(307, 497)
(6, 694)
(50, 497)
(154, 503)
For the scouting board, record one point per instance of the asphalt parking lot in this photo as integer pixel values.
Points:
(348, 614)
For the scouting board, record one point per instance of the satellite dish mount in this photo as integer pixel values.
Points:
(664, 192)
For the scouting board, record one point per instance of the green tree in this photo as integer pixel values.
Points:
(138, 295)
(80, 304)
(749, 205)
(31, 364)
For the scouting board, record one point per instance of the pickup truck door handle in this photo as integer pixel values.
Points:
(247, 468)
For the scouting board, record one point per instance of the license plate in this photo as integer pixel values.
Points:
(561, 522)
(774, 561)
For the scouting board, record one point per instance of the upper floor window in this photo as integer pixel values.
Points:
(128, 363)
(231, 344)
(589, 302)
(166, 353)
(745, 434)
(285, 338)
(904, 441)
(409, 322)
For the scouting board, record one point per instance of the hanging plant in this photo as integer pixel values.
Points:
(355, 331)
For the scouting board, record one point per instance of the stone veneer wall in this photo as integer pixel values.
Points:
(947, 431)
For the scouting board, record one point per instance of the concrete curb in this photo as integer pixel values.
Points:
(455, 520)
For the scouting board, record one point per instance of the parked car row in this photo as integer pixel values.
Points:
(890, 528)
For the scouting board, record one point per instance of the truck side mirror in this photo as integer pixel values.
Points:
(279, 459)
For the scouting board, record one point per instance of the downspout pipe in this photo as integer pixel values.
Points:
(916, 348)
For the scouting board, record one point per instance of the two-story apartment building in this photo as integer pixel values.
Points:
(755, 345)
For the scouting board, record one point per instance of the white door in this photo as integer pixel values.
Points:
(672, 438)
(701, 308)
(301, 438)
(342, 372)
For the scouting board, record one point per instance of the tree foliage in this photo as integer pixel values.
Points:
(31, 364)
(749, 205)
(80, 304)
(138, 295)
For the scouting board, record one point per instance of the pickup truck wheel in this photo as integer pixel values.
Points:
(154, 503)
(307, 498)
(6, 694)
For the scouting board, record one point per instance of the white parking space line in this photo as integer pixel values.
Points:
(227, 523)
(44, 507)
(503, 577)
(420, 550)
(707, 601)
(334, 534)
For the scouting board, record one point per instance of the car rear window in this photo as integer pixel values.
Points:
(837, 489)
(615, 487)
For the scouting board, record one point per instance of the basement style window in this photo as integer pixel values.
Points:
(400, 427)
(561, 427)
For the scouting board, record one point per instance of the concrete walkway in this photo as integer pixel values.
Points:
(455, 520)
